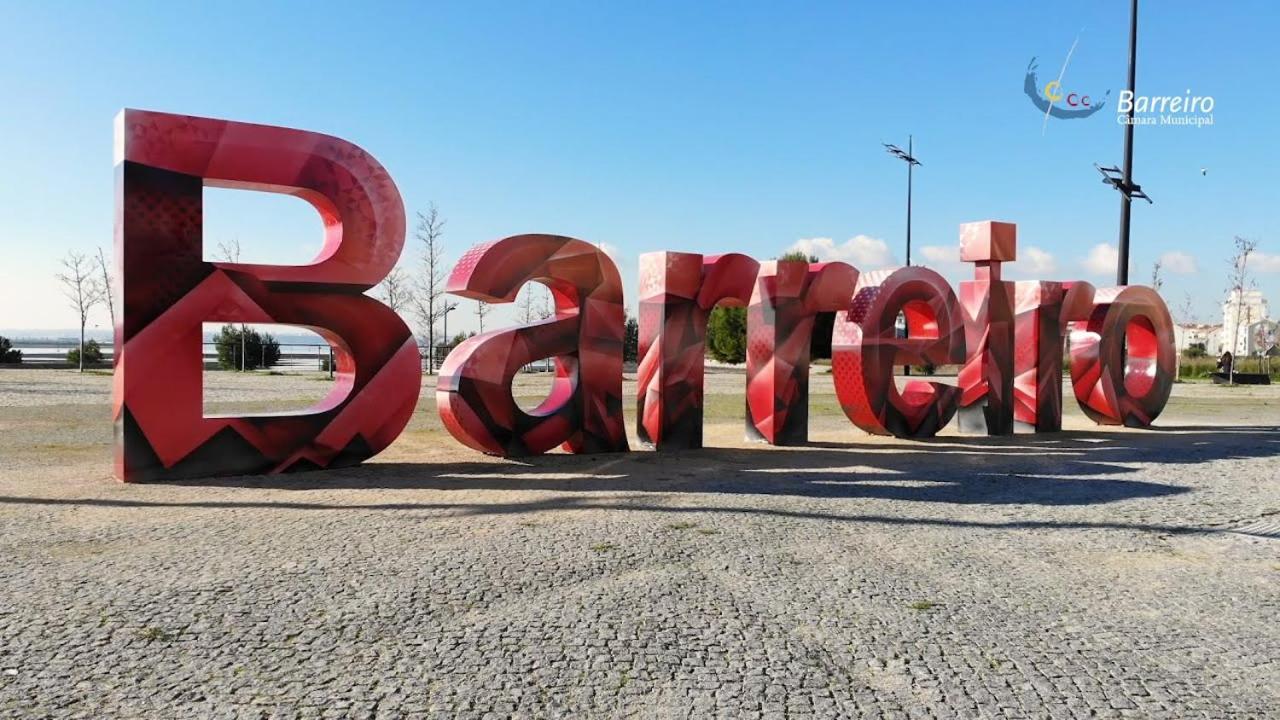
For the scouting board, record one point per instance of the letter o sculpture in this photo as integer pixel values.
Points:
(1122, 357)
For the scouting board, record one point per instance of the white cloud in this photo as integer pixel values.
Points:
(941, 254)
(944, 259)
(1037, 263)
(861, 251)
(1102, 259)
(1264, 262)
(1178, 263)
(613, 251)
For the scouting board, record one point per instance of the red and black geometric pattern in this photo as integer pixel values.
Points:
(1043, 311)
(780, 318)
(986, 380)
(865, 349)
(163, 162)
(1122, 357)
(677, 293)
(1037, 356)
(584, 410)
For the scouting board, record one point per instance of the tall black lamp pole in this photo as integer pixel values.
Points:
(911, 162)
(1122, 180)
(1122, 272)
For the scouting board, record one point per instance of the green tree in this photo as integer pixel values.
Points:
(92, 355)
(631, 340)
(8, 355)
(727, 334)
(443, 352)
(260, 349)
(823, 323)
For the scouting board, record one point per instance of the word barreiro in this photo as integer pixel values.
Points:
(1006, 336)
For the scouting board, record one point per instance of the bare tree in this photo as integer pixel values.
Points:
(525, 310)
(108, 287)
(1186, 316)
(1157, 282)
(81, 288)
(1187, 310)
(397, 291)
(428, 295)
(545, 307)
(1237, 281)
(229, 251)
(482, 309)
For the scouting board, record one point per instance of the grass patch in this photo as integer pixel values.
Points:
(727, 406)
(681, 525)
(923, 605)
(708, 531)
(152, 633)
(603, 547)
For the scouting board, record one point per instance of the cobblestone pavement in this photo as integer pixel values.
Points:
(1088, 573)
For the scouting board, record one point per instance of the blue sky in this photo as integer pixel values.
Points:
(725, 126)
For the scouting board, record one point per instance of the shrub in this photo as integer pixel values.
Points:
(92, 354)
(727, 334)
(260, 349)
(1196, 368)
(8, 355)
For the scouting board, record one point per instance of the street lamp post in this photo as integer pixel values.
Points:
(907, 157)
(1122, 179)
(448, 308)
(911, 162)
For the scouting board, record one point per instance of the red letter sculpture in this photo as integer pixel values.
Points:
(1043, 309)
(986, 380)
(584, 410)
(677, 294)
(865, 348)
(787, 295)
(1122, 357)
(162, 163)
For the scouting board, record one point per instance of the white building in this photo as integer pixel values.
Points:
(1263, 336)
(1208, 336)
(1239, 313)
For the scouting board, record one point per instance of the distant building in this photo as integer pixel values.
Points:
(1263, 336)
(1206, 336)
(1240, 312)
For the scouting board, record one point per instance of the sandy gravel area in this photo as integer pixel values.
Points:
(1089, 573)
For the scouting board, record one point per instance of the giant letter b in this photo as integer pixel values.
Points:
(162, 163)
